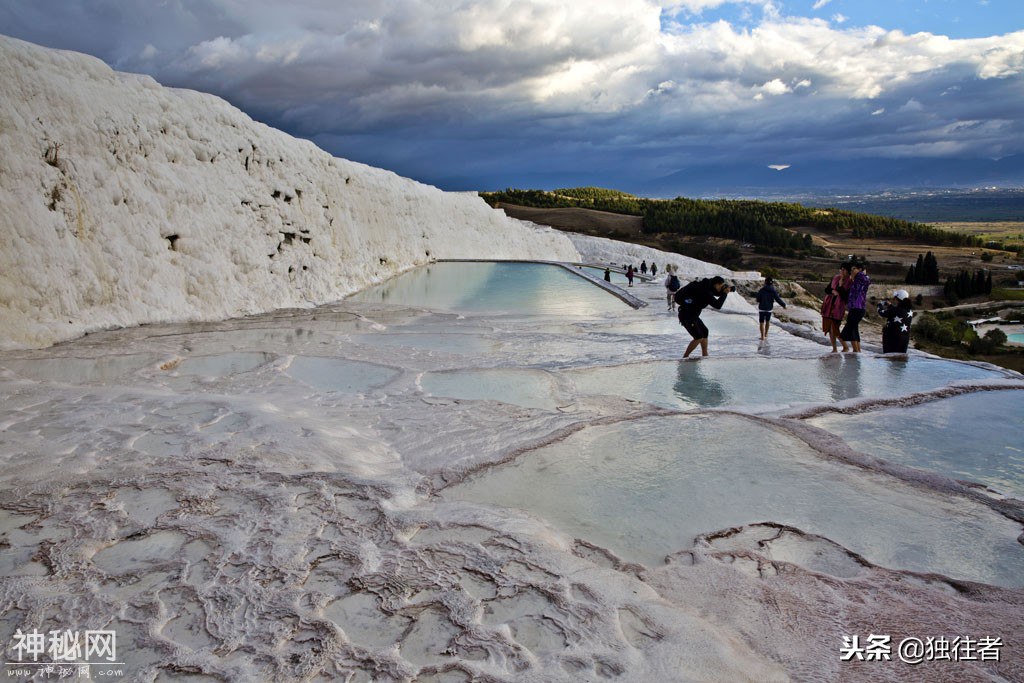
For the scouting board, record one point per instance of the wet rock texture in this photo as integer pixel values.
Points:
(233, 517)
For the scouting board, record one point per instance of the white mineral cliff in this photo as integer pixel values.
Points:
(125, 202)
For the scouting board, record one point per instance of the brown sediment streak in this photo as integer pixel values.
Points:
(710, 538)
(833, 447)
(586, 550)
(962, 586)
(443, 480)
(866, 405)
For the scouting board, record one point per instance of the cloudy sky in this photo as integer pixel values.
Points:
(660, 97)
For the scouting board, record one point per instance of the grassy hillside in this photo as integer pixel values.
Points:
(775, 227)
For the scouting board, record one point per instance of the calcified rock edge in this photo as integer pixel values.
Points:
(265, 498)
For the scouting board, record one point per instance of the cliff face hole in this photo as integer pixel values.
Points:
(172, 242)
(55, 196)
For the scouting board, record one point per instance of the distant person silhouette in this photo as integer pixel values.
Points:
(672, 285)
(654, 270)
(643, 267)
(607, 274)
(629, 275)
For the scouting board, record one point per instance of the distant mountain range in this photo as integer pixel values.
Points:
(913, 189)
(836, 177)
(925, 205)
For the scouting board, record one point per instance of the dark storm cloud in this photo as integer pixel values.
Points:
(491, 89)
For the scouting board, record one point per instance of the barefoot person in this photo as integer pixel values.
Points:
(692, 300)
(855, 304)
(672, 285)
(766, 298)
(834, 306)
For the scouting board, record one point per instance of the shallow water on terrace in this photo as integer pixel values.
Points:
(336, 374)
(223, 365)
(617, 278)
(527, 388)
(772, 382)
(978, 437)
(494, 287)
(448, 343)
(663, 321)
(99, 370)
(645, 489)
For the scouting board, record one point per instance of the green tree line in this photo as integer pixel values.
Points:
(765, 224)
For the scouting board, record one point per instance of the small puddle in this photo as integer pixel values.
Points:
(337, 374)
(527, 388)
(223, 365)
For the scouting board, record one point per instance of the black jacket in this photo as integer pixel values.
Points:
(766, 298)
(696, 296)
(896, 333)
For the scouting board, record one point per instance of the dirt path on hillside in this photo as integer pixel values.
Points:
(575, 219)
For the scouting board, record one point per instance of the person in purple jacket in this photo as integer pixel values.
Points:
(856, 302)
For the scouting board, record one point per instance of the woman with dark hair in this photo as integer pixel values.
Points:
(856, 302)
(833, 308)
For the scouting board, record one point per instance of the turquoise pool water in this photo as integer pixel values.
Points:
(532, 288)
(977, 437)
(647, 488)
(617, 278)
(1016, 338)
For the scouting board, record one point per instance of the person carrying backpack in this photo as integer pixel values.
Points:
(672, 285)
(692, 300)
(766, 298)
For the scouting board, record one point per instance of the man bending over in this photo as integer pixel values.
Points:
(692, 300)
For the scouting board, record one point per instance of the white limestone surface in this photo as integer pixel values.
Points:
(125, 202)
(601, 250)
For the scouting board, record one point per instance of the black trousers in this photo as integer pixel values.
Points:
(851, 331)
